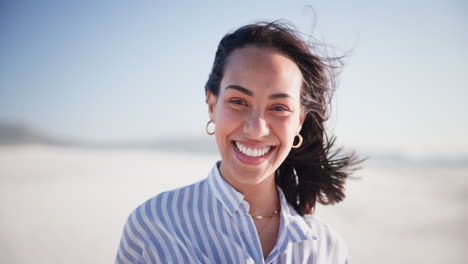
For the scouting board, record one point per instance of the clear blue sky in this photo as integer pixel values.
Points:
(120, 70)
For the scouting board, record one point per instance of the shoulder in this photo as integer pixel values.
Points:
(321, 228)
(149, 229)
(330, 238)
(162, 207)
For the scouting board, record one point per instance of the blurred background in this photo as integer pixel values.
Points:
(100, 101)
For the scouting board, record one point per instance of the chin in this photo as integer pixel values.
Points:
(251, 174)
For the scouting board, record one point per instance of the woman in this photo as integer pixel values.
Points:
(268, 99)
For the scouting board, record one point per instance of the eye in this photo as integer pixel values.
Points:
(279, 108)
(238, 102)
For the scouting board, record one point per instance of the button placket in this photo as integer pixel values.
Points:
(259, 253)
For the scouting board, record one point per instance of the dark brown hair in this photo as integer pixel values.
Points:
(313, 172)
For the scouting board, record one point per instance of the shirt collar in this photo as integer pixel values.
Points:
(293, 228)
(223, 191)
(296, 226)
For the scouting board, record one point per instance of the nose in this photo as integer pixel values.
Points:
(255, 126)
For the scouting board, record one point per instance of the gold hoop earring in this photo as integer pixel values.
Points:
(298, 143)
(206, 128)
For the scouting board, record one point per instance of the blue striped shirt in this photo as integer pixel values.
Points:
(208, 222)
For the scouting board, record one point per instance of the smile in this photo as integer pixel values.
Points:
(252, 152)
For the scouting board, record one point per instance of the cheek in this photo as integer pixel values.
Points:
(227, 116)
(285, 129)
(227, 121)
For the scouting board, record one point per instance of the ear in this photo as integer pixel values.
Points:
(211, 99)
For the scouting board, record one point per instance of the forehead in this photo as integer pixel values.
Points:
(255, 67)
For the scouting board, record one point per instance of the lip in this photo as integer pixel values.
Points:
(253, 145)
(251, 160)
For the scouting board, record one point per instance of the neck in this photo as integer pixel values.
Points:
(265, 203)
(262, 197)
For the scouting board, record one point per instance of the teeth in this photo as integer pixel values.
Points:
(252, 152)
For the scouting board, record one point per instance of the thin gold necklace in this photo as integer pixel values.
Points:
(275, 212)
(270, 217)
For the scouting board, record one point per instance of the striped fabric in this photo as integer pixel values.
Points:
(208, 222)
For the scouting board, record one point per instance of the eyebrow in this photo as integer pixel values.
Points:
(250, 93)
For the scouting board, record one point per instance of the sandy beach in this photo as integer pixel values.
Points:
(69, 205)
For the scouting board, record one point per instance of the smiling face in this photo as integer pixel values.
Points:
(257, 114)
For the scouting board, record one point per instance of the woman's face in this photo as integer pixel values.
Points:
(257, 114)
